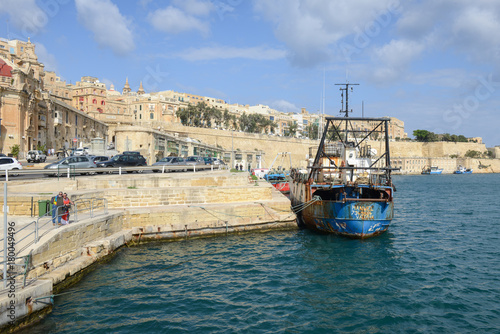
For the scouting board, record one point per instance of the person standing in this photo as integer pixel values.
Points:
(66, 206)
(57, 203)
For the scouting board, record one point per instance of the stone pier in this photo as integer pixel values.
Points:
(141, 208)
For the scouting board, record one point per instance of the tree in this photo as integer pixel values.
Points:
(312, 131)
(424, 136)
(14, 150)
(292, 130)
(472, 154)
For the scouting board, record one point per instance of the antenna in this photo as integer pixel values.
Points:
(346, 90)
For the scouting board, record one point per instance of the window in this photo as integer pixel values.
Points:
(76, 120)
(94, 101)
(103, 103)
(67, 117)
(151, 116)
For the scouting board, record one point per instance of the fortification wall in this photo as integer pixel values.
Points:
(270, 145)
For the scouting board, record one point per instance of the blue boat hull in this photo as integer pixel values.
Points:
(352, 219)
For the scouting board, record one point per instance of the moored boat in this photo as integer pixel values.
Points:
(279, 176)
(431, 170)
(348, 189)
(463, 170)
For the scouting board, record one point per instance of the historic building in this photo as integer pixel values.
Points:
(31, 116)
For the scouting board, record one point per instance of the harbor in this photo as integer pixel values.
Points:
(429, 272)
(128, 211)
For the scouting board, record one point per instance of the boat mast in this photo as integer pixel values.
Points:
(346, 112)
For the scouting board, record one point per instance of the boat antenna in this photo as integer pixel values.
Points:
(346, 90)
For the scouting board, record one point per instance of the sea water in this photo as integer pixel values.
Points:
(436, 270)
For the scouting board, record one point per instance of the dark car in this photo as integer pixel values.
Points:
(124, 160)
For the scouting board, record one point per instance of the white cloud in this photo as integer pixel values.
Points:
(109, 26)
(183, 16)
(311, 28)
(27, 16)
(227, 52)
(48, 59)
(173, 20)
(284, 106)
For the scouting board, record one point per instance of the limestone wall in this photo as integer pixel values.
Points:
(270, 145)
(64, 244)
(151, 197)
(205, 216)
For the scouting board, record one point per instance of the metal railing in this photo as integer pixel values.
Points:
(83, 208)
(71, 172)
(10, 276)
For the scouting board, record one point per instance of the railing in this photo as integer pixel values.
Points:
(83, 208)
(9, 277)
(71, 172)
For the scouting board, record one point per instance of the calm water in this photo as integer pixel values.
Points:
(436, 270)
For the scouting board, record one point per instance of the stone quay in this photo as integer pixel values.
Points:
(118, 210)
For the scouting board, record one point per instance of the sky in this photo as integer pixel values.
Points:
(435, 64)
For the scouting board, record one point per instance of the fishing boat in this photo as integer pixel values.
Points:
(432, 170)
(348, 188)
(463, 170)
(278, 176)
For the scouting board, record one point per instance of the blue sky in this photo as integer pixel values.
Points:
(435, 64)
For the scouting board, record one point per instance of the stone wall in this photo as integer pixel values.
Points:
(151, 197)
(271, 145)
(64, 244)
(206, 216)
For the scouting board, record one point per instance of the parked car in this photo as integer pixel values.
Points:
(195, 160)
(36, 156)
(124, 160)
(98, 158)
(132, 152)
(218, 162)
(2, 155)
(170, 161)
(79, 151)
(8, 163)
(78, 162)
(208, 160)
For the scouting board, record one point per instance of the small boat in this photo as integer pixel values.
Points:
(463, 170)
(431, 170)
(278, 176)
(348, 188)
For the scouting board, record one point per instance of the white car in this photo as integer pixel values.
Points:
(80, 151)
(36, 156)
(8, 163)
